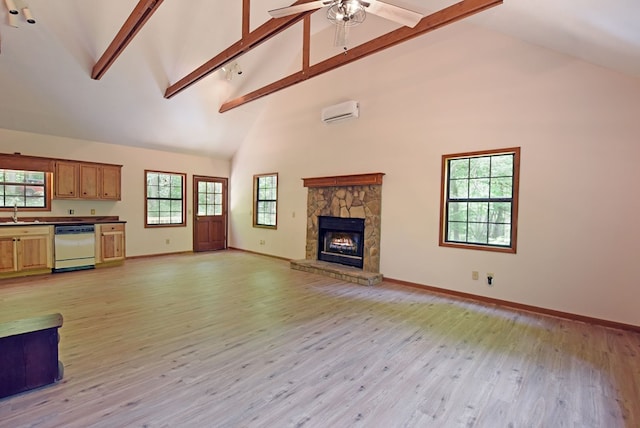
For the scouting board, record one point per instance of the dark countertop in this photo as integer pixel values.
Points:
(56, 221)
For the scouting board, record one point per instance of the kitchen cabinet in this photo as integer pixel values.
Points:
(110, 182)
(85, 180)
(111, 241)
(26, 249)
(66, 179)
(89, 179)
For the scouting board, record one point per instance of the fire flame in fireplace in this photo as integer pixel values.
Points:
(343, 243)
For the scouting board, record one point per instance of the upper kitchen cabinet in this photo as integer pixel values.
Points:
(89, 179)
(66, 179)
(84, 180)
(110, 182)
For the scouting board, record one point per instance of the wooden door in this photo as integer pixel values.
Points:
(112, 242)
(209, 213)
(32, 252)
(110, 182)
(8, 262)
(88, 181)
(65, 179)
(112, 246)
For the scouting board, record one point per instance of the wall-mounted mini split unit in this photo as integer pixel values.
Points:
(340, 112)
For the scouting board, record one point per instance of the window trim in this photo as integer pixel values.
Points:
(255, 200)
(514, 200)
(48, 192)
(184, 200)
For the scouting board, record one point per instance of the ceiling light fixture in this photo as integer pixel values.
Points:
(230, 70)
(11, 6)
(14, 6)
(28, 15)
(345, 14)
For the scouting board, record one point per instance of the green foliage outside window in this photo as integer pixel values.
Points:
(266, 200)
(480, 198)
(209, 198)
(165, 198)
(22, 189)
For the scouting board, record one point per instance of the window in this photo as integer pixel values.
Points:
(210, 198)
(479, 207)
(265, 190)
(165, 200)
(24, 189)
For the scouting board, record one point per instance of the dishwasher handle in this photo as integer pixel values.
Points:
(75, 229)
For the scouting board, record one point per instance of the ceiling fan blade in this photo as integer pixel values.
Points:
(393, 13)
(299, 8)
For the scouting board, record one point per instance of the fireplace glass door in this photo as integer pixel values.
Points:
(341, 240)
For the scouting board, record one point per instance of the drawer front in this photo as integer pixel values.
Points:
(112, 228)
(26, 230)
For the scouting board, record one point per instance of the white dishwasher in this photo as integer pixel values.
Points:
(74, 247)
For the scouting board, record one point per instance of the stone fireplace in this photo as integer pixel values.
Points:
(356, 199)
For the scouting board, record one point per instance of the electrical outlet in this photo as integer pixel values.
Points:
(490, 278)
(475, 275)
(71, 212)
(262, 242)
(93, 211)
(167, 241)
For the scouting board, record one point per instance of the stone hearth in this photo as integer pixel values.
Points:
(337, 271)
(350, 196)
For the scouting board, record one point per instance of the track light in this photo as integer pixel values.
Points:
(28, 15)
(13, 6)
(231, 69)
(13, 10)
(14, 21)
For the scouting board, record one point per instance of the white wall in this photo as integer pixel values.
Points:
(140, 241)
(462, 89)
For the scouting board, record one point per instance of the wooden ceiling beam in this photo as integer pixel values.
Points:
(306, 42)
(246, 13)
(429, 23)
(249, 41)
(141, 13)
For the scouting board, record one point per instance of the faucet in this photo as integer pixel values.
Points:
(15, 212)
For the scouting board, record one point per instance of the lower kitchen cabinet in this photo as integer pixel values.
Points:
(25, 250)
(111, 242)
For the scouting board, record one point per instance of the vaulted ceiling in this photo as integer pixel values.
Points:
(142, 98)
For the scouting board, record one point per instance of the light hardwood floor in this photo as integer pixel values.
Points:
(230, 339)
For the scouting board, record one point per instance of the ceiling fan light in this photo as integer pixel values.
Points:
(346, 13)
(352, 7)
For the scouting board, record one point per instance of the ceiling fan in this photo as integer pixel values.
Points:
(347, 13)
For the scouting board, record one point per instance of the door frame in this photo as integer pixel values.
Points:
(225, 204)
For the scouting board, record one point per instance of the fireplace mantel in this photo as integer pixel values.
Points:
(344, 180)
